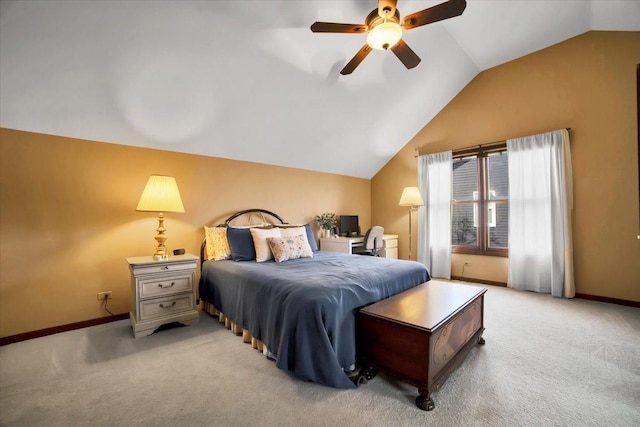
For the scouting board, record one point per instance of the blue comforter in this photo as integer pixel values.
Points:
(304, 309)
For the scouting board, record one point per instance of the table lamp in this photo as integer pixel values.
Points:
(411, 197)
(160, 195)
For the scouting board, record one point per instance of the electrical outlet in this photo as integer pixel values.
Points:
(104, 295)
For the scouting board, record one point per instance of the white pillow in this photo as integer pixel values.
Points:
(295, 231)
(259, 235)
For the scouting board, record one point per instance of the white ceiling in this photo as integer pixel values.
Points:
(248, 80)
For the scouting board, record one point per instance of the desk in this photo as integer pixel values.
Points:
(346, 244)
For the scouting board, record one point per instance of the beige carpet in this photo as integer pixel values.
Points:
(547, 362)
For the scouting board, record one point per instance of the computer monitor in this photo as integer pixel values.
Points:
(349, 225)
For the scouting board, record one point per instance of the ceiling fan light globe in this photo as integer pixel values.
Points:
(384, 36)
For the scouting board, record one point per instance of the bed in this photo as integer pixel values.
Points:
(301, 312)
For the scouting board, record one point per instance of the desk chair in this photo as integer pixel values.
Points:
(372, 241)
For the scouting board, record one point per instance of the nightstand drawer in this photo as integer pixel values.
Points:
(161, 307)
(156, 286)
(163, 268)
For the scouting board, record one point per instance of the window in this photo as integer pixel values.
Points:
(480, 201)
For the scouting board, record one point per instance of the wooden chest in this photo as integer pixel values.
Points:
(421, 335)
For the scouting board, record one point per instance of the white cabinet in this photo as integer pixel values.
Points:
(390, 246)
(162, 292)
(339, 244)
(346, 245)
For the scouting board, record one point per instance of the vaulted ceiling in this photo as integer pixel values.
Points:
(248, 80)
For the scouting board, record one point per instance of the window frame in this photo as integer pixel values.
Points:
(482, 247)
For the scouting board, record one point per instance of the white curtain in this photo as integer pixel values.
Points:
(434, 219)
(540, 206)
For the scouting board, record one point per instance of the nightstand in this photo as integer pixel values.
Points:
(162, 292)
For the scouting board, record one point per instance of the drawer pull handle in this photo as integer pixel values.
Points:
(167, 306)
(165, 287)
(166, 267)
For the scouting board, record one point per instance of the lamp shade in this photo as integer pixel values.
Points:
(160, 195)
(411, 197)
(384, 36)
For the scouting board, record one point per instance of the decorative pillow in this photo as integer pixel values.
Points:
(217, 245)
(293, 247)
(293, 231)
(241, 244)
(303, 229)
(311, 238)
(259, 235)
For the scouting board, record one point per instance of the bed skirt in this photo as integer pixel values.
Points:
(247, 338)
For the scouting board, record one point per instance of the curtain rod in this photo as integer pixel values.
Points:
(487, 144)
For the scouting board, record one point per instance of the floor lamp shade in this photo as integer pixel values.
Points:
(161, 195)
(411, 197)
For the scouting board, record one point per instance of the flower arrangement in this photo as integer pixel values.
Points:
(327, 220)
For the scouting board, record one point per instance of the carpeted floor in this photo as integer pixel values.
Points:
(547, 362)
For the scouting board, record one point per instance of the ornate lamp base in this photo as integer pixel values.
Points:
(161, 250)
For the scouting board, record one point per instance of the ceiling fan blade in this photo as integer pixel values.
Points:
(387, 8)
(356, 60)
(405, 54)
(332, 27)
(434, 14)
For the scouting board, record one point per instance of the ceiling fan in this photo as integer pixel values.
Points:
(385, 30)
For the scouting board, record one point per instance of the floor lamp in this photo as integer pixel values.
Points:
(411, 197)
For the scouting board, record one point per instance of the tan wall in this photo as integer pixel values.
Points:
(587, 83)
(68, 219)
(67, 207)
